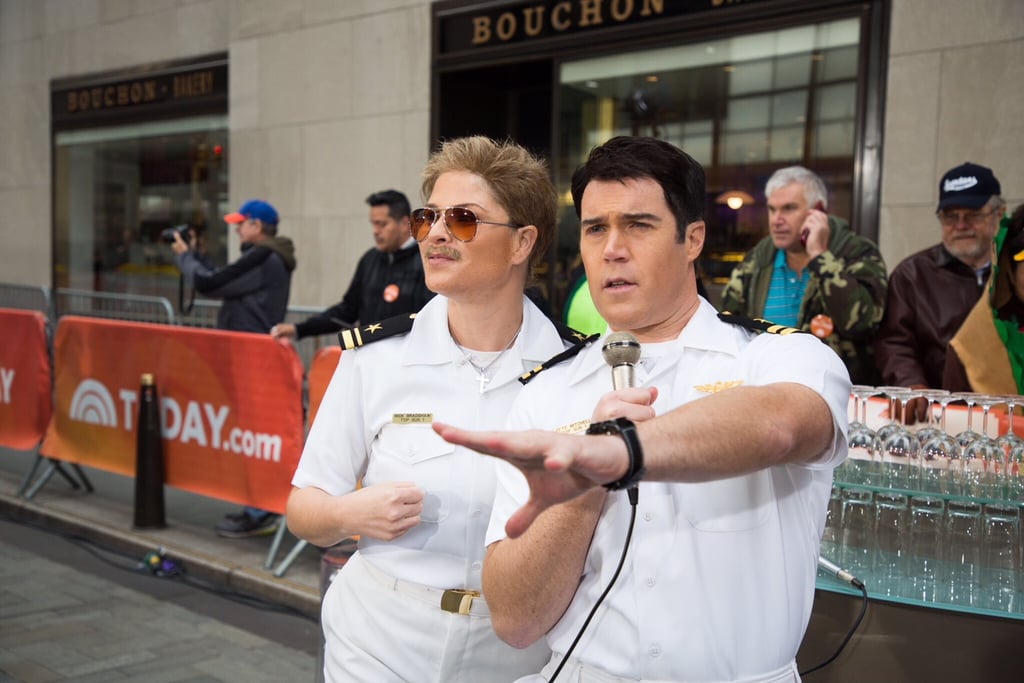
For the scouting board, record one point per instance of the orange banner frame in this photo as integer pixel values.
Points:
(25, 379)
(231, 405)
(321, 370)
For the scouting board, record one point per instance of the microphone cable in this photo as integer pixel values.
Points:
(849, 578)
(633, 497)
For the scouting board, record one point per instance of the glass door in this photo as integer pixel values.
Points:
(743, 106)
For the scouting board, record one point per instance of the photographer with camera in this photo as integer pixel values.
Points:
(254, 290)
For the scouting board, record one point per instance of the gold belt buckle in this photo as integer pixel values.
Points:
(458, 600)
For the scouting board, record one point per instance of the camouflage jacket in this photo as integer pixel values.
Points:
(847, 283)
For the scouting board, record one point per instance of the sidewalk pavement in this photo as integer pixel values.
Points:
(105, 515)
(70, 614)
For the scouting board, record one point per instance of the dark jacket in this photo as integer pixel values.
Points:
(254, 288)
(930, 294)
(847, 283)
(372, 294)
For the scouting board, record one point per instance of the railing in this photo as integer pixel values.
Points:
(26, 298)
(134, 307)
(140, 308)
(204, 314)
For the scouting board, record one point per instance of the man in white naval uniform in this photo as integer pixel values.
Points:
(719, 578)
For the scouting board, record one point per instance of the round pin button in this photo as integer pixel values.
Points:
(391, 293)
(822, 326)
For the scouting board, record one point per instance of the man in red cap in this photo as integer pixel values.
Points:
(931, 292)
(254, 290)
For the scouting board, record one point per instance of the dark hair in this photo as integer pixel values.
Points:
(623, 158)
(397, 203)
(519, 180)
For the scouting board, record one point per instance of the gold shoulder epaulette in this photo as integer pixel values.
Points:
(758, 324)
(361, 336)
(579, 342)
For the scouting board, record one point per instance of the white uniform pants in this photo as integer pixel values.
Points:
(577, 672)
(383, 630)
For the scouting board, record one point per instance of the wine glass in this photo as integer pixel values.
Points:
(877, 473)
(937, 453)
(862, 440)
(901, 447)
(1013, 449)
(931, 426)
(886, 430)
(1010, 439)
(968, 435)
(983, 458)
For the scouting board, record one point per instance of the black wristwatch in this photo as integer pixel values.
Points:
(627, 430)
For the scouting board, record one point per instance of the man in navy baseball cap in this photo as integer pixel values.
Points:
(932, 291)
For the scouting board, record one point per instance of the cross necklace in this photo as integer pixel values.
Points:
(481, 372)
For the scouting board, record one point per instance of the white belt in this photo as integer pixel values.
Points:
(579, 672)
(454, 600)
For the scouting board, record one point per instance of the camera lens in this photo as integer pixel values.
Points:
(167, 234)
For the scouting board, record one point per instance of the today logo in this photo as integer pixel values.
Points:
(190, 422)
(959, 184)
(93, 404)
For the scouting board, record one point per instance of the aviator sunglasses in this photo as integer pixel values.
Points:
(459, 222)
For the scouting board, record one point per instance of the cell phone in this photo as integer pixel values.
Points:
(805, 233)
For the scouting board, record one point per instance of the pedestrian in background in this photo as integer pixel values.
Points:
(932, 291)
(813, 272)
(388, 280)
(254, 292)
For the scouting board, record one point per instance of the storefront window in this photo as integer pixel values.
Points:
(742, 106)
(118, 188)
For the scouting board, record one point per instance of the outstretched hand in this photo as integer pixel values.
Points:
(558, 467)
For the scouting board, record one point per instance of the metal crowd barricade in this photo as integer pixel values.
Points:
(204, 314)
(39, 298)
(149, 309)
(26, 298)
(134, 307)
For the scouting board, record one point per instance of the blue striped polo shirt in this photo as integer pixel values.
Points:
(785, 293)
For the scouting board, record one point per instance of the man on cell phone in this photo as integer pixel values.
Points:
(812, 272)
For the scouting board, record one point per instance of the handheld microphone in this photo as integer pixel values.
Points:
(621, 350)
(835, 570)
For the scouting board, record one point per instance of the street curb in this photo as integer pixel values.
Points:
(248, 580)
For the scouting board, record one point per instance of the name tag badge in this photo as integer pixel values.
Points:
(412, 418)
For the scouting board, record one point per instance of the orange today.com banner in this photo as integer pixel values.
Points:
(25, 401)
(230, 405)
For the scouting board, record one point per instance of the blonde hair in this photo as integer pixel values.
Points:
(518, 179)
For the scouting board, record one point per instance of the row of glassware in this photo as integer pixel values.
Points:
(929, 457)
(925, 548)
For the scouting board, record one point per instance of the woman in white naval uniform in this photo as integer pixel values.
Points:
(406, 606)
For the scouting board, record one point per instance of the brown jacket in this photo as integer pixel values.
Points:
(930, 294)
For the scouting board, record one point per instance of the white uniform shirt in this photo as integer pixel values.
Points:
(374, 425)
(719, 579)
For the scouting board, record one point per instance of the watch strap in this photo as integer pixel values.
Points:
(627, 430)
